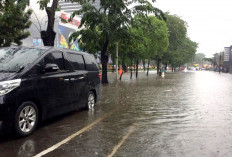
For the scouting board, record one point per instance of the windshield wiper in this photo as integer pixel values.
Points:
(20, 69)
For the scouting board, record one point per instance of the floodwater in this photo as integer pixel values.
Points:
(181, 115)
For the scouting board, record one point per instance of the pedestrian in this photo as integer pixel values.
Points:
(120, 73)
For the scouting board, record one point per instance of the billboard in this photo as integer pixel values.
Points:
(226, 54)
(64, 34)
(37, 42)
(231, 54)
(65, 30)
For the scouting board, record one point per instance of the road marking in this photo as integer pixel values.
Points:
(131, 130)
(69, 138)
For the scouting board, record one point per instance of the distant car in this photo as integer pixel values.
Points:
(39, 83)
(191, 68)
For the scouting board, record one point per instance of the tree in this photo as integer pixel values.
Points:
(148, 39)
(14, 20)
(132, 47)
(199, 58)
(184, 53)
(107, 25)
(181, 49)
(177, 34)
(48, 35)
(160, 38)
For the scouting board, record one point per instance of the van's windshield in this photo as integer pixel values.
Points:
(14, 59)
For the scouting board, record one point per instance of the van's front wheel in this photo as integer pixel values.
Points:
(91, 101)
(26, 118)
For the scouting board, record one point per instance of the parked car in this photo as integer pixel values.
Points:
(40, 83)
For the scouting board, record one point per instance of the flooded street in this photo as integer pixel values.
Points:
(181, 115)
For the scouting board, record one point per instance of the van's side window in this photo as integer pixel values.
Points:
(76, 61)
(55, 58)
(37, 69)
(91, 64)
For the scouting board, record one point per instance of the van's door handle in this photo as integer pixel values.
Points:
(73, 79)
(66, 80)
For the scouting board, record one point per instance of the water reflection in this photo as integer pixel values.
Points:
(182, 114)
(27, 149)
(91, 112)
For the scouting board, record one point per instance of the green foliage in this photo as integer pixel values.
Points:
(111, 21)
(159, 37)
(177, 29)
(14, 19)
(154, 33)
(90, 40)
(148, 38)
(102, 28)
(181, 49)
(43, 4)
(184, 54)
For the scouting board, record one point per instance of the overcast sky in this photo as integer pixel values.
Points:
(209, 21)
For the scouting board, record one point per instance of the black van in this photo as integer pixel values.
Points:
(40, 83)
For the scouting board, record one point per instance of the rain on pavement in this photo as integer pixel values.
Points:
(182, 115)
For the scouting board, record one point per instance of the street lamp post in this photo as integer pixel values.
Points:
(117, 60)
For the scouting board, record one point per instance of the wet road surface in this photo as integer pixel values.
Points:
(180, 115)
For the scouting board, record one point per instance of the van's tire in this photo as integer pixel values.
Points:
(26, 119)
(90, 101)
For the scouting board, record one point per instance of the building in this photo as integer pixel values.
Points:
(63, 30)
(226, 58)
(69, 7)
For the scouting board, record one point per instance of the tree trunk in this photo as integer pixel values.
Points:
(104, 60)
(158, 66)
(137, 65)
(148, 66)
(124, 67)
(49, 35)
(144, 66)
(113, 66)
(131, 69)
(166, 66)
(172, 69)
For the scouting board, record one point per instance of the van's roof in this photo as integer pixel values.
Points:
(48, 48)
(69, 50)
(41, 47)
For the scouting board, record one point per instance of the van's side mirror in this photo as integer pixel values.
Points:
(51, 67)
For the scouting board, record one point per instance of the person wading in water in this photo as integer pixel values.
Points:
(120, 73)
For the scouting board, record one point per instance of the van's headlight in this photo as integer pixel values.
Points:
(7, 86)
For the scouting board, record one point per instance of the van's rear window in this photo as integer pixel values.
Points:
(13, 59)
